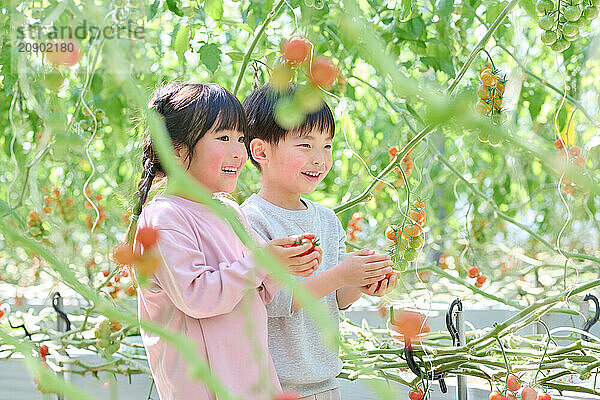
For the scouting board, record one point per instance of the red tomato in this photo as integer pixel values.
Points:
(512, 383)
(43, 351)
(544, 396)
(481, 279)
(124, 254)
(528, 394)
(418, 216)
(147, 236)
(558, 144)
(473, 272)
(295, 50)
(391, 233)
(496, 396)
(415, 394)
(575, 151)
(392, 151)
(63, 52)
(323, 72)
(303, 240)
(409, 324)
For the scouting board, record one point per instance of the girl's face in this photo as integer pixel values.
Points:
(218, 159)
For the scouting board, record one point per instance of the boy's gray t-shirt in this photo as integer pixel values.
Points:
(303, 360)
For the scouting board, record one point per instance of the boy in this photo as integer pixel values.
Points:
(293, 162)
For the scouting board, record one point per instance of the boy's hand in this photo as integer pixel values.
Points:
(293, 257)
(381, 288)
(364, 267)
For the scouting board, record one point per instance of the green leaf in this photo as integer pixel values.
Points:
(235, 55)
(235, 24)
(214, 8)
(210, 54)
(153, 9)
(445, 7)
(174, 7)
(182, 42)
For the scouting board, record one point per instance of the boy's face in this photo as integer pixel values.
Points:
(298, 163)
(218, 159)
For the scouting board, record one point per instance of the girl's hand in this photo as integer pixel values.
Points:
(292, 256)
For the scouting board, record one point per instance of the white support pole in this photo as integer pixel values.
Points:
(461, 387)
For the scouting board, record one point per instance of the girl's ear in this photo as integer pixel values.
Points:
(259, 150)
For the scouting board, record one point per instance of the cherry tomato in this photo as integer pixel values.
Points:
(488, 78)
(295, 50)
(391, 233)
(512, 383)
(409, 324)
(147, 236)
(559, 144)
(528, 394)
(322, 72)
(415, 394)
(473, 272)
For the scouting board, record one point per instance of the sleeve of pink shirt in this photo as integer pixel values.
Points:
(198, 289)
(269, 284)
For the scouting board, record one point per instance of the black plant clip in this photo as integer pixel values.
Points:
(20, 326)
(414, 367)
(59, 312)
(591, 321)
(450, 321)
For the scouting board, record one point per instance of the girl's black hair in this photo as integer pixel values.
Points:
(260, 111)
(189, 111)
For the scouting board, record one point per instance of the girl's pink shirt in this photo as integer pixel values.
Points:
(208, 290)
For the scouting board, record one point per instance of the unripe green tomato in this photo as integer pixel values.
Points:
(416, 242)
(562, 19)
(403, 244)
(590, 12)
(482, 107)
(401, 265)
(483, 136)
(576, 2)
(544, 6)
(560, 45)
(570, 29)
(595, 3)
(410, 254)
(581, 22)
(100, 114)
(548, 37)
(573, 37)
(546, 22)
(572, 13)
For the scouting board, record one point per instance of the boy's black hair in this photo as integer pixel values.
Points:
(260, 113)
(189, 111)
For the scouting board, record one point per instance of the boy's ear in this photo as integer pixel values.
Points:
(259, 150)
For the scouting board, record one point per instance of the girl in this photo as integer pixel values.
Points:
(207, 287)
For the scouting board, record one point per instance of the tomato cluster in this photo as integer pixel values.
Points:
(409, 237)
(490, 93)
(146, 262)
(526, 394)
(320, 72)
(102, 333)
(407, 163)
(354, 227)
(561, 21)
(64, 206)
(576, 158)
(37, 228)
(409, 324)
(473, 272)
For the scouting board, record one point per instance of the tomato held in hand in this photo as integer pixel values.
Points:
(302, 241)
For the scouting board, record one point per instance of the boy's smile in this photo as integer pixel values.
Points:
(293, 166)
